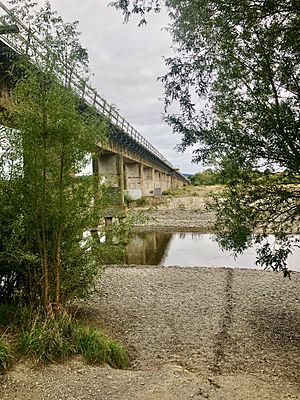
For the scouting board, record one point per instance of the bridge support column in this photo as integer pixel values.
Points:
(173, 182)
(157, 183)
(169, 182)
(133, 180)
(164, 181)
(141, 173)
(148, 181)
(109, 168)
(121, 178)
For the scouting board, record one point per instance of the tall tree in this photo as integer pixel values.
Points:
(236, 80)
(46, 204)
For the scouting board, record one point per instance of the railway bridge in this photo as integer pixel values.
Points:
(128, 160)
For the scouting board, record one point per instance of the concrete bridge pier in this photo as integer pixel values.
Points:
(157, 183)
(110, 169)
(148, 181)
(164, 182)
(133, 182)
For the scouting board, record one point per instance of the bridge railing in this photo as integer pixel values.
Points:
(25, 42)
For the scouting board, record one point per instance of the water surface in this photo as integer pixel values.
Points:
(191, 249)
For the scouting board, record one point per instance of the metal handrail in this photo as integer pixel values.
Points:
(39, 50)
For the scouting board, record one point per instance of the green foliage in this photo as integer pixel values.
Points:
(46, 205)
(169, 192)
(178, 192)
(97, 349)
(5, 356)
(43, 234)
(128, 199)
(243, 218)
(48, 337)
(235, 80)
(143, 201)
(207, 178)
(13, 256)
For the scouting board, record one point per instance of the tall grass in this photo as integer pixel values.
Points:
(97, 349)
(56, 337)
(5, 356)
(46, 337)
(49, 337)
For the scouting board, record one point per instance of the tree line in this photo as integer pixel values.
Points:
(266, 177)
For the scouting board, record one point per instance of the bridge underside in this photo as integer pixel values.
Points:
(134, 177)
(125, 161)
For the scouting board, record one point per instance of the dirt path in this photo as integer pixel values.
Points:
(192, 333)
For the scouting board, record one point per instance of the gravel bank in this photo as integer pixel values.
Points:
(183, 213)
(192, 333)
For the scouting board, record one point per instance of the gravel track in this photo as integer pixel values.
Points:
(191, 333)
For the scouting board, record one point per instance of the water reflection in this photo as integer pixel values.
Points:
(191, 249)
(148, 248)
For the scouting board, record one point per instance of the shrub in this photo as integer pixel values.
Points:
(207, 178)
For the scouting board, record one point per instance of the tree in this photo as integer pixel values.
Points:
(46, 204)
(206, 177)
(235, 77)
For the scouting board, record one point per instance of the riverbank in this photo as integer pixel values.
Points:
(200, 333)
(185, 212)
(191, 333)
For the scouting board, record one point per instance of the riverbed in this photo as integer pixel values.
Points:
(191, 333)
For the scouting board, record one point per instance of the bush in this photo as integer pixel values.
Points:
(207, 178)
(169, 192)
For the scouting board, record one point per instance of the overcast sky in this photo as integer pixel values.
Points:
(125, 61)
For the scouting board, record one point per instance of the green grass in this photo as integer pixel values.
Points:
(98, 349)
(48, 337)
(5, 356)
(143, 201)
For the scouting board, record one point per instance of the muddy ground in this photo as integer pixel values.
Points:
(191, 333)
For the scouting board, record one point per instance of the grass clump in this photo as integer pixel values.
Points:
(143, 201)
(46, 337)
(53, 337)
(98, 349)
(56, 337)
(5, 356)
